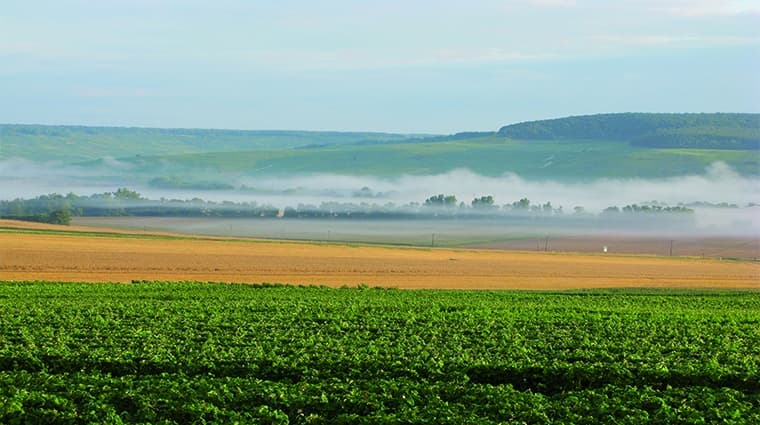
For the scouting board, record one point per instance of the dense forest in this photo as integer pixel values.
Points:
(702, 131)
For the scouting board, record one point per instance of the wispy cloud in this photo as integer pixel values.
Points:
(486, 55)
(37, 50)
(349, 59)
(553, 3)
(674, 40)
(704, 8)
(110, 92)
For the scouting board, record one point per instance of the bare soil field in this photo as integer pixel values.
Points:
(120, 258)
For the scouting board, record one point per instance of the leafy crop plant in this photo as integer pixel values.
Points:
(159, 352)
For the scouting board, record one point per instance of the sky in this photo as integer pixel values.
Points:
(355, 65)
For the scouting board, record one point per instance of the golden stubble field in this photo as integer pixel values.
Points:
(70, 257)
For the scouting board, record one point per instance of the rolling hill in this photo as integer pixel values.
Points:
(697, 131)
(80, 143)
(493, 156)
(574, 148)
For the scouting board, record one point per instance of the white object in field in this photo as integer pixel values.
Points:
(604, 249)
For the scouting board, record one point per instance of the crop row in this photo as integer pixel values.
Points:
(185, 352)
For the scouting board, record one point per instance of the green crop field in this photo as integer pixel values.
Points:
(214, 353)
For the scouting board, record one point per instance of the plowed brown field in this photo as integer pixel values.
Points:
(27, 256)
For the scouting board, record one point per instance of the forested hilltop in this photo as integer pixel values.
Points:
(700, 131)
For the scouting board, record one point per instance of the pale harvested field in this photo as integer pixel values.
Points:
(122, 259)
(716, 247)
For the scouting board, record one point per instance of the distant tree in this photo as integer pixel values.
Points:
(126, 194)
(59, 217)
(484, 202)
(441, 200)
(522, 204)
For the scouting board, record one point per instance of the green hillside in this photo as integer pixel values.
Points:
(79, 143)
(701, 131)
(573, 148)
(493, 155)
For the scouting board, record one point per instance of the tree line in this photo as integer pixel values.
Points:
(59, 209)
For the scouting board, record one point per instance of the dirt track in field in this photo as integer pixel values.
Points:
(26, 256)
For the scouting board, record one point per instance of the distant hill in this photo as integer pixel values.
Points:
(78, 143)
(569, 160)
(696, 131)
(572, 149)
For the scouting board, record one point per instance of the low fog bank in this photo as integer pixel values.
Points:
(718, 185)
(22, 178)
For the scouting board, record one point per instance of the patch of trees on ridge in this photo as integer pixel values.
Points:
(698, 131)
(58, 209)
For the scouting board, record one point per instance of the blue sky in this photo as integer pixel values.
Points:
(399, 66)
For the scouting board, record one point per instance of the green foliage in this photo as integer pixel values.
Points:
(522, 204)
(127, 195)
(484, 202)
(702, 138)
(700, 131)
(57, 209)
(60, 217)
(53, 208)
(216, 353)
(441, 200)
(655, 209)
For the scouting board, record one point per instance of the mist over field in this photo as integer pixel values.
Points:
(719, 184)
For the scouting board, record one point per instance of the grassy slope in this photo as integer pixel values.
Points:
(493, 155)
(72, 144)
(189, 153)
